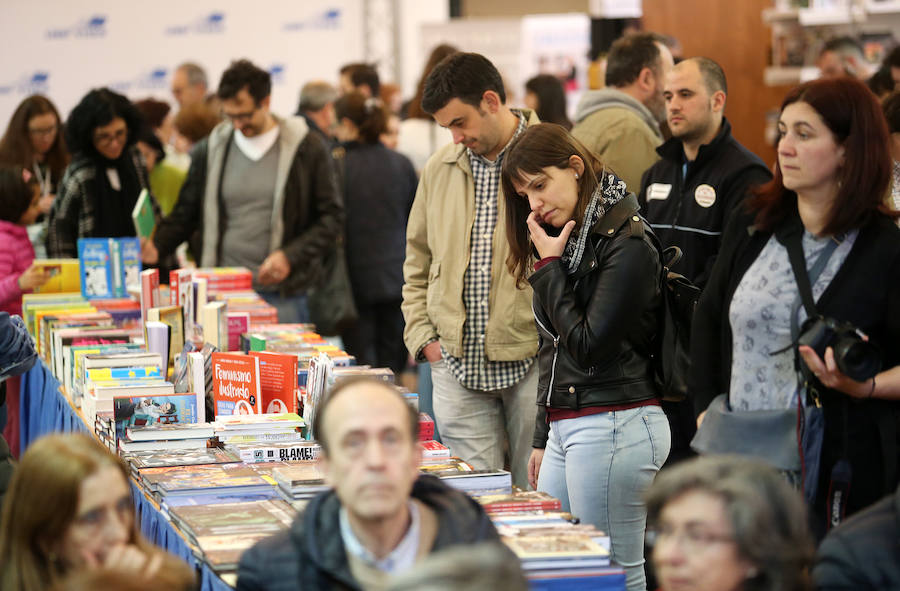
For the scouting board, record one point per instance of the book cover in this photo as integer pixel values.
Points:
(158, 340)
(65, 275)
(174, 317)
(269, 516)
(99, 374)
(215, 325)
(159, 409)
(208, 478)
(278, 381)
(96, 266)
(235, 384)
(142, 215)
(129, 265)
(149, 293)
(238, 324)
(160, 431)
(187, 457)
(277, 452)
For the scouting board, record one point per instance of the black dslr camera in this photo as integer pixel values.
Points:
(856, 358)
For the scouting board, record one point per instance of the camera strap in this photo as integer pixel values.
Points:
(841, 472)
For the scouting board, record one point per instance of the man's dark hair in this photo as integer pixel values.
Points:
(360, 74)
(712, 73)
(844, 46)
(96, 109)
(465, 76)
(881, 82)
(243, 74)
(342, 386)
(629, 55)
(891, 107)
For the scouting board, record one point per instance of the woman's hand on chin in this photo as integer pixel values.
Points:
(546, 245)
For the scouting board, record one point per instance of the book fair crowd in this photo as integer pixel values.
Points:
(728, 410)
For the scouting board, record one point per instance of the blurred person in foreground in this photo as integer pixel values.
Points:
(381, 517)
(727, 524)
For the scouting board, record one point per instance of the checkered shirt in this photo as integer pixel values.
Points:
(473, 370)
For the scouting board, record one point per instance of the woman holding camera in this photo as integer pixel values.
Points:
(751, 322)
(600, 435)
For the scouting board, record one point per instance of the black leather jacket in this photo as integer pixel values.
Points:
(597, 325)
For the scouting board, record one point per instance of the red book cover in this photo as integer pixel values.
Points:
(278, 381)
(238, 324)
(149, 291)
(235, 384)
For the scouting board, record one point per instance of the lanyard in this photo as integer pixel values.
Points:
(43, 181)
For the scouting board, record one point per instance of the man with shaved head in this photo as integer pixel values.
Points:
(688, 195)
(381, 518)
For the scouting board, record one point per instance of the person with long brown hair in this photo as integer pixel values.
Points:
(69, 508)
(600, 435)
(826, 205)
(34, 140)
(419, 136)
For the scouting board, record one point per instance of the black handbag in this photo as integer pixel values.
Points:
(788, 439)
(331, 305)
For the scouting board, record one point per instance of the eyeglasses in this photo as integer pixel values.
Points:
(43, 131)
(104, 139)
(691, 539)
(241, 117)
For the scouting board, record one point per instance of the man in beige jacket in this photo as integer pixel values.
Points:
(463, 311)
(620, 123)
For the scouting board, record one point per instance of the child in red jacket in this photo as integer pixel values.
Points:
(19, 198)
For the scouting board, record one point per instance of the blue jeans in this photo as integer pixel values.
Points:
(291, 309)
(599, 467)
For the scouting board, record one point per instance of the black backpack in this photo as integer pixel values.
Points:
(671, 353)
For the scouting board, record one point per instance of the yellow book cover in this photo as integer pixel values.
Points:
(65, 276)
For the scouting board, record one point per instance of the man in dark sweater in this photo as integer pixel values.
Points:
(261, 194)
(704, 172)
(382, 517)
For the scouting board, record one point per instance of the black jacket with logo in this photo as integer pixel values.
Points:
(690, 212)
(597, 325)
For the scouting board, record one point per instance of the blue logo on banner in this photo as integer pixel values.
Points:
(213, 23)
(92, 27)
(152, 79)
(276, 71)
(34, 83)
(329, 19)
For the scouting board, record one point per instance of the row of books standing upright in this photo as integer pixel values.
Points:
(212, 404)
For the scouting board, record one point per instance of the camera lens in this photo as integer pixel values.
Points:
(858, 359)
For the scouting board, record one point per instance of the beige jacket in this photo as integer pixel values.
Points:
(437, 255)
(620, 131)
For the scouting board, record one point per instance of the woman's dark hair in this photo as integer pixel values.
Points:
(539, 147)
(149, 137)
(98, 108)
(465, 76)
(767, 516)
(368, 115)
(15, 192)
(15, 147)
(154, 111)
(852, 113)
(244, 74)
(551, 97)
(415, 110)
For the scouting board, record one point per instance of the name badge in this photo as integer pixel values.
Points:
(658, 191)
(705, 195)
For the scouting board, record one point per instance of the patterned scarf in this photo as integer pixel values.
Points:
(610, 190)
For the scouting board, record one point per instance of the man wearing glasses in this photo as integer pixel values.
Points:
(260, 194)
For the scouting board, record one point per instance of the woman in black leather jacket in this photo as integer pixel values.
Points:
(600, 434)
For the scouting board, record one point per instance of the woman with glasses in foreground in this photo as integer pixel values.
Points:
(69, 509)
(725, 523)
(100, 187)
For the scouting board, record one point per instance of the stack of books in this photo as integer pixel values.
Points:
(224, 531)
(264, 428)
(218, 479)
(167, 437)
(299, 481)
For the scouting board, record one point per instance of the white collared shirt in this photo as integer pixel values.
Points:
(400, 559)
